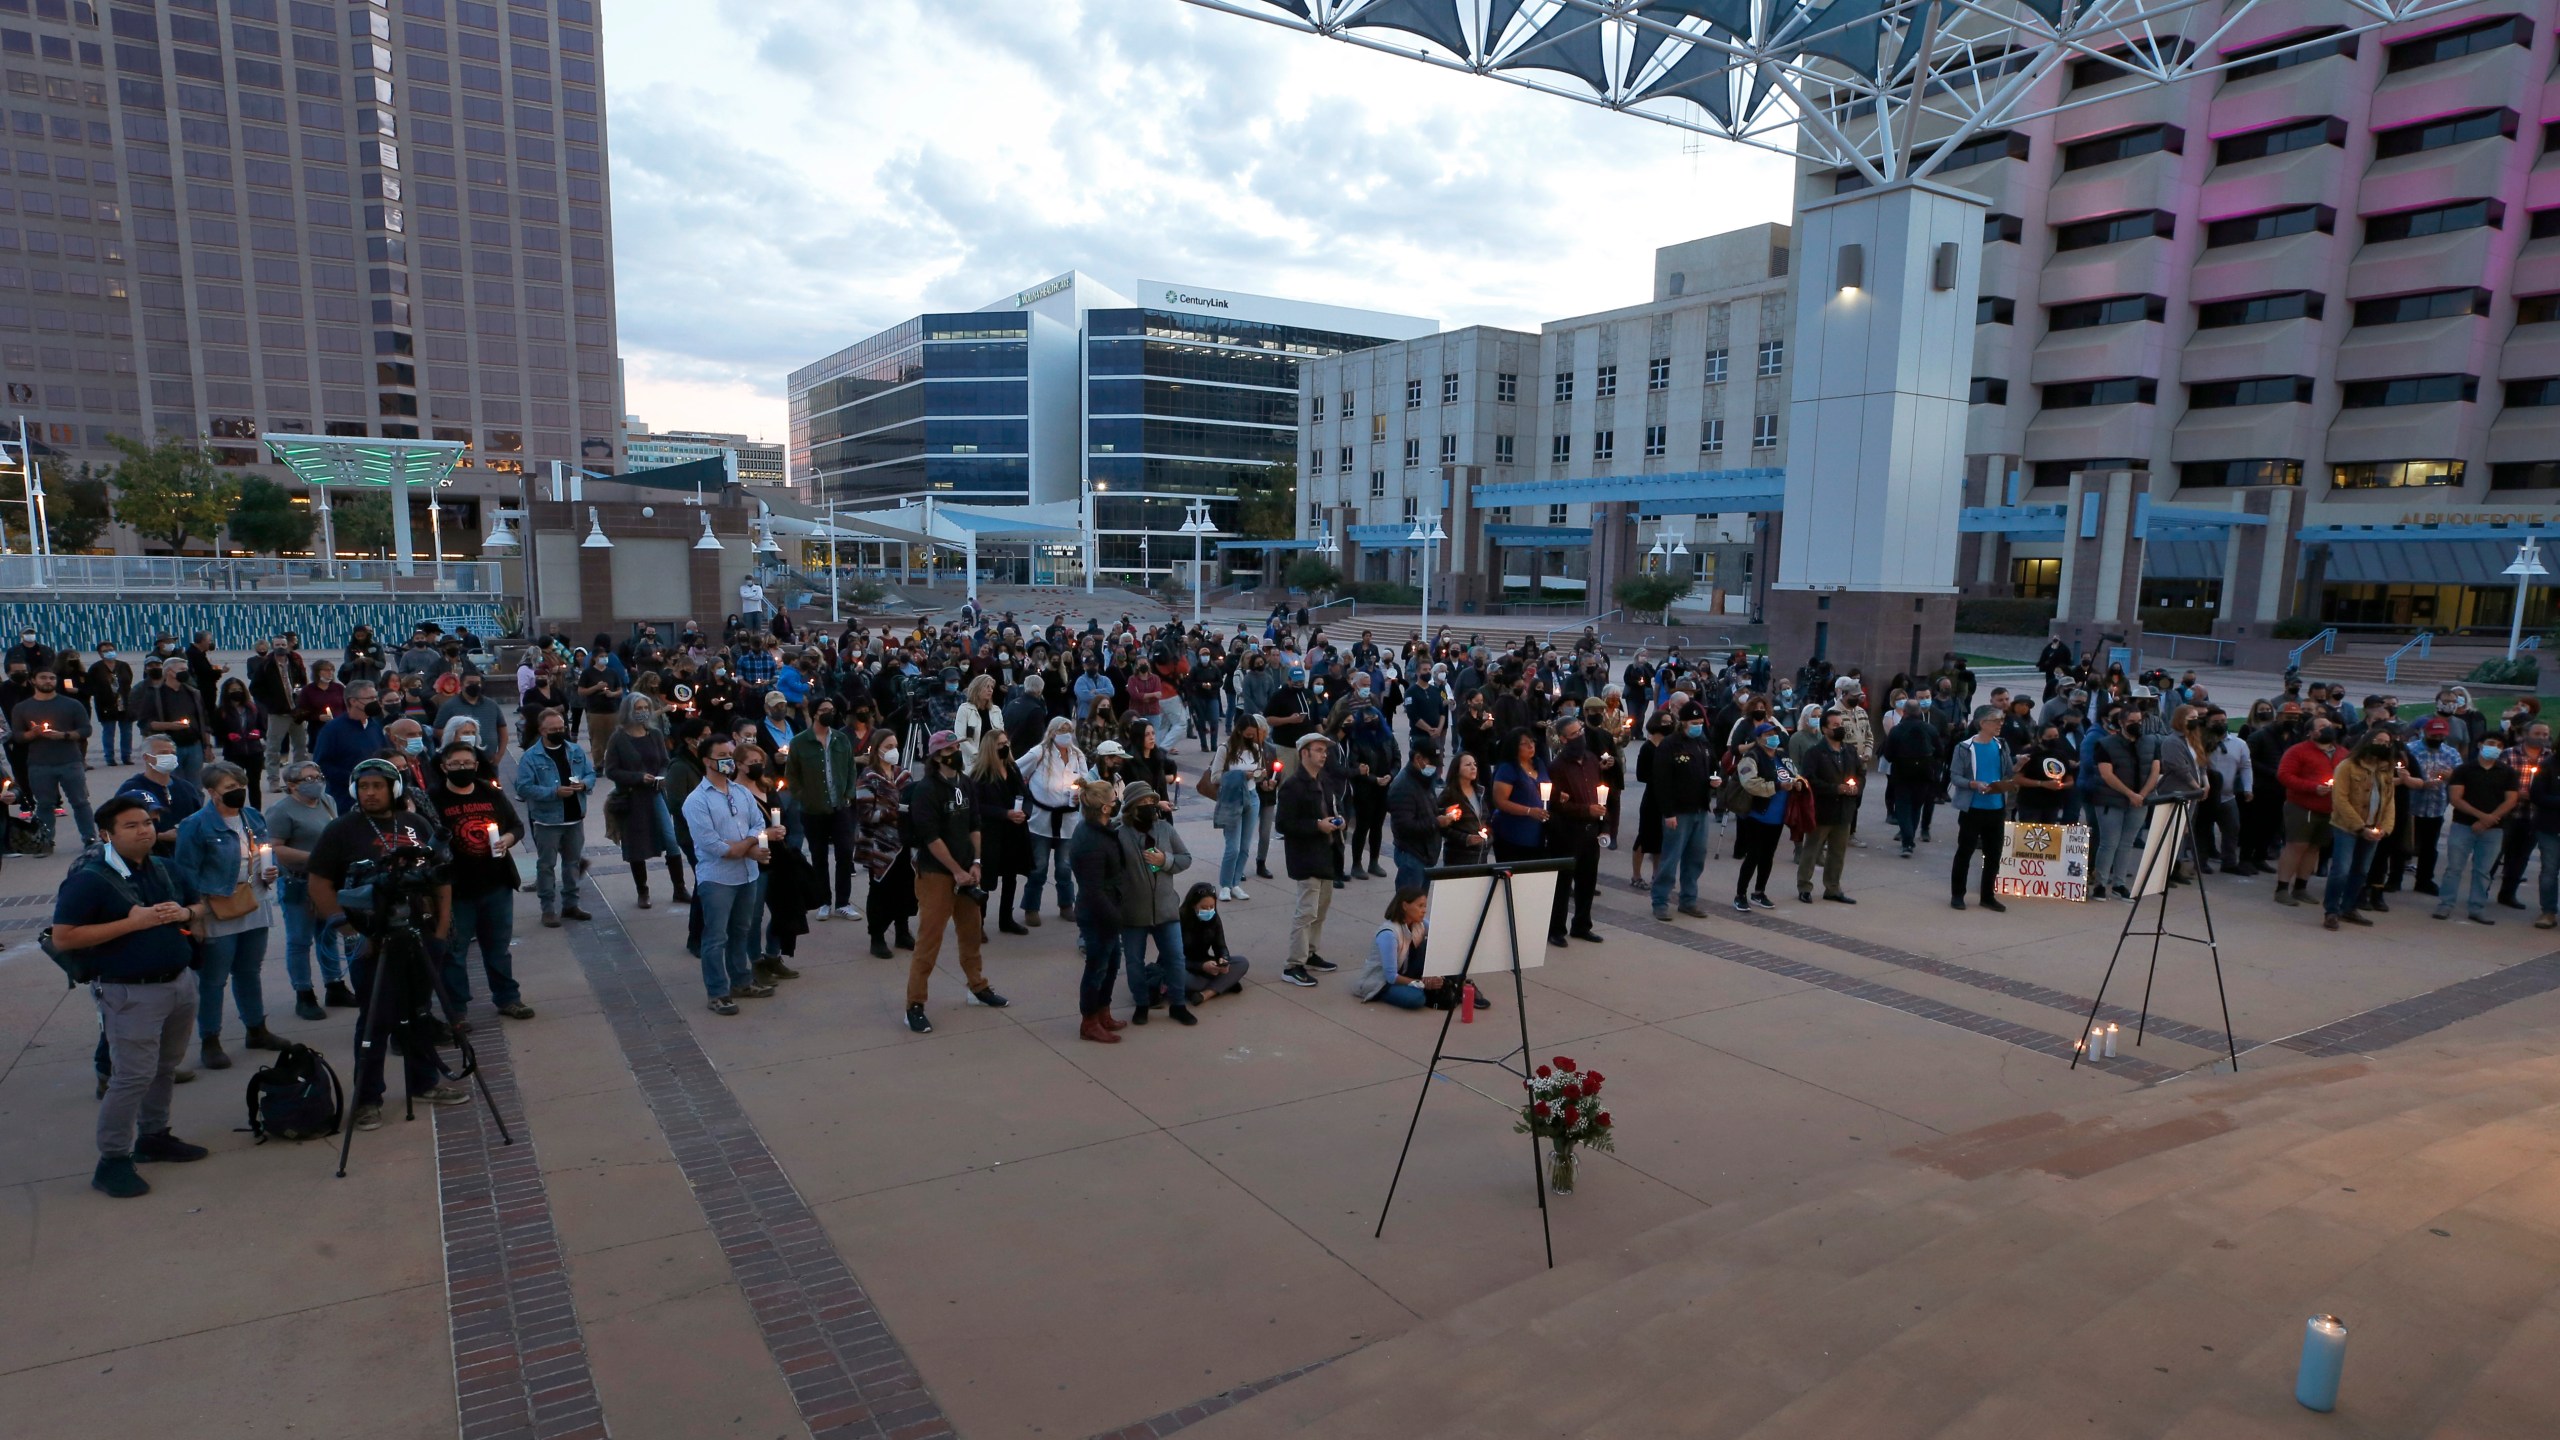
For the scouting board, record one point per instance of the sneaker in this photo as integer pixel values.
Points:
(2545, 922)
(338, 996)
(848, 912)
(1990, 902)
(2442, 912)
(447, 1095)
(2123, 894)
(115, 1176)
(1321, 965)
(1906, 852)
(819, 916)
(2285, 895)
(1241, 895)
(916, 1021)
(516, 1010)
(1761, 899)
(306, 1006)
(163, 1146)
(1837, 899)
(723, 1005)
(989, 998)
(1694, 912)
(572, 912)
(1662, 914)
(752, 990)
(1226, 892)
(1297, 975)
(368, 1117)
(1804, 897)
(1741, 906)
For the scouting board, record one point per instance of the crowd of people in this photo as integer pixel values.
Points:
(964, 769)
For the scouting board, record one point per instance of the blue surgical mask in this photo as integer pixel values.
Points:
(1697, 732)
(1773, 741)
(2489, 754)
(414, 745)
(1428, 770)
(1207, 915)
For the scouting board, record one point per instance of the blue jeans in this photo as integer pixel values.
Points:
(491, 919)
(52, 786)
(1101, 951)
(755, 927)
(2546, 846)
(115, 741)
(1168, 971)
(2350, 856)
(1401, 995)
(236, 959)
(1042, 847)
(191, 764)
(727, 911)
(1238, 851)
(1684, 841)
(2468, 855)
(293, 897)
(2119, 846)
(1409, 870)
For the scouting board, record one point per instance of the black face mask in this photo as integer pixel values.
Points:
(461, 778)
(233, 799)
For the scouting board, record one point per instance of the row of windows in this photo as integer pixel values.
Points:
(2274, 390)
(2274, 224)
(2280, 305)
(1772, 361)
(1604, 446)
(2351, 475)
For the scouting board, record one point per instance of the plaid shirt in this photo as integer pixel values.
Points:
(755, 667)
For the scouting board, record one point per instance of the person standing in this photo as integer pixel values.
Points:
(275, 682)
(2363, 805)
(950, 888)
(222, 855)
(1682, 770)
(2123, 793)
(1415, 815)
(2479, 796)
(1768, 778)
(553, 779)
(751, 602)
(474, 702)
(637, 763)
(295, 822)
(1100, 866)
(1575, 813)
(1835, 774)
(2306, 772)
(482, 829)
(1982, 776)
(1239, 804)
(110, 693)
(1053, 772)
(2432, 763)
(166, 706)
(1311, 825)
(354, 735)
(54, 728)
(820, 770)
(880, 844)
(1004, 824)
(127, 913)
(1152, 853)
(728, 828)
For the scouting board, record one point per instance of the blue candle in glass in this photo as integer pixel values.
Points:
(2324, 1361)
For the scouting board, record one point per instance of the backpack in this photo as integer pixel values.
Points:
(296, 1098)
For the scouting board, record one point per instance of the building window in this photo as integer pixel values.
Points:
(1764, 432)
(1715, 367)
(1995, 310)
(1377, 484)
(2434, 220)
(1998, 229)
(1605, 384)
(2455, 43)
(1657, 440)
(1501, 515)
(1315, 514)
(2410, 390)
(2256, 390)
(2270, 225)
(2233, 474)
(2259, 309)
(1604, 445)
(1506, 389)
(2098, 71)
(1657, 373)
(2525, 475)
(1345, 455)
(1503, 449)
(2059, 472)
(1350, 406)
(1412, 508)
(2442, 131)
(2532, 395)
(1711, 438)
(1980, 150)
(1559, 514)
(2080, 394)
(2280, 139)
(2395, 474)
(2115, 229)
(1315, 462)
(2275, 56)
(1560, 450)
(2537, 309)
(1377, 429)
(1564, 386)
(2114, 310)
(1773, 357)
(2123, 145)
(2425, 305)
(1448, 449)
(1989, 390)
(1413, 394)
(1413, 453)
(1448, 389)
(1315, 410)
(2035, 579)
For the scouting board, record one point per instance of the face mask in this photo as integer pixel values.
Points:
(1833, 735)
(1772, 742)
(948, 760)
(1207, 915)
(472, 689)
(373, 709)
(755, 772)
(827, 718)
(951, 687)
(414, 745)
(460, 773)
(1428, 771)
(29, 638)
(1695, 732)
(310, 791)
(725, 767)
(165, 764)
(2489, 754)
(233, 799)
(106, 654)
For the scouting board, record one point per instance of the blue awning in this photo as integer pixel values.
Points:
(1539, 537)
(1383, 537)
(1224, 546)
(1760, 488)
(2412, 562)
(2018, 522)
(2194, 555)
(2148, 518)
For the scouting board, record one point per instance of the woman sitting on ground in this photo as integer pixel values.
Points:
(1393, 972)
(1204, 947)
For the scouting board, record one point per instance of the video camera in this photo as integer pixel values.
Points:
(394, 891)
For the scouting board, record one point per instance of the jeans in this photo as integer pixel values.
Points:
(1239, 844)
(1684, 848)
(1410, 870)
(727, 912)
(2546, 845)
(491, 919)
(2119, 846)
(144, 1028)
(191, 763)
(1101, 951)
(833, 831)
(302, 936)
(51, 785)
(756, 946)
(1402, 995)
(558, 850)
(235, 959)
(2468, 856)
(115, 742)
(1042, 849)
(1904, 811)
(2350, 856)
(1167, 974)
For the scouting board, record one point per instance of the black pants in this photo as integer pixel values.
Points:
(2430, 830)
(1977, 830)
(1757, 844)
(832, 832)
(1576, 887)
(417, 1063)
(2517, 849)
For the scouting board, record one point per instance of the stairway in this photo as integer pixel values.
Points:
(2139, 1268)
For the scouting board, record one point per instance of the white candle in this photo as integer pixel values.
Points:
(2324, 1362)
(2111, 1042)
(1546, 792)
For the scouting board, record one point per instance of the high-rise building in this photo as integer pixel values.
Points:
(349, 218)
(760, 462)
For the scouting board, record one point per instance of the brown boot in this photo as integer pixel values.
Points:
(1113, 1022)
(1092, 1029)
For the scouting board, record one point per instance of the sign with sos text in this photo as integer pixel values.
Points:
(2040, 861)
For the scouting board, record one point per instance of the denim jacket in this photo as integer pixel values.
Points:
(537, 778)
(208, 857)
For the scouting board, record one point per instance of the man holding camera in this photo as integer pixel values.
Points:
(127, 912)
(942, 809)
(379, 830)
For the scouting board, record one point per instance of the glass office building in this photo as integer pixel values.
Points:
(940, 405)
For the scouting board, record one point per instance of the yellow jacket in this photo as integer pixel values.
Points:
(2364, 794)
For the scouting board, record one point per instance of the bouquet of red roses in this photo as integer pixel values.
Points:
(1564, 1107)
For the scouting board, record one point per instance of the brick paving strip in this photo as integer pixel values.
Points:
(1155, 1427)
(2388, 1025)
(519, 1358)
(848, 1375)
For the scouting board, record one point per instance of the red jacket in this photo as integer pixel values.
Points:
(2303, 770)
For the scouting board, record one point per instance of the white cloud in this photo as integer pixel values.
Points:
(791, 175)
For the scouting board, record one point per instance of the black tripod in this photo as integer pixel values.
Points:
(2180, 840)
(413, 1024)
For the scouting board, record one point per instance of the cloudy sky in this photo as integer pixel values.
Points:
(791, 175)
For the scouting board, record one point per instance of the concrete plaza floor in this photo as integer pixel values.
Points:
(1061, 1238)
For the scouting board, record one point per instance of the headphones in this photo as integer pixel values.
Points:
(381, 767)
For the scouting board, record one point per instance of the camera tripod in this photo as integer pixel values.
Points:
(413, 1023)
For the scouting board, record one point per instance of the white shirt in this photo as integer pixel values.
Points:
(750, 595)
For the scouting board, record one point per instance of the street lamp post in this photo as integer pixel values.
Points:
(835, 584)
(2526, 565)
(1428, 534)
(1196, 524)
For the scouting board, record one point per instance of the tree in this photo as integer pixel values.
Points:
(170, 492)
(79, 510)
(266, 520)
(362, 521)
(1653, 594)
(1309, 572)
(1269, 509)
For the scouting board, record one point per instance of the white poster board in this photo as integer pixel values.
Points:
(2162, 843)
(2041, 861)
(1455, 904)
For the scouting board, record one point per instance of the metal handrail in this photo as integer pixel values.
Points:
(2531, 642)
(2327, 640)
(2222, 649)
(1351, 600)
(1592, 621)
(2391, 662)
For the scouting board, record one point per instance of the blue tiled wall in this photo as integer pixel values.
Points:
(323, 625)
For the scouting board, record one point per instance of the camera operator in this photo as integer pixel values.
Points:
(483, 830)
(377, 830)
(128, 911)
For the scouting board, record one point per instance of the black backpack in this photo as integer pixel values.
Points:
(296, 1098)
